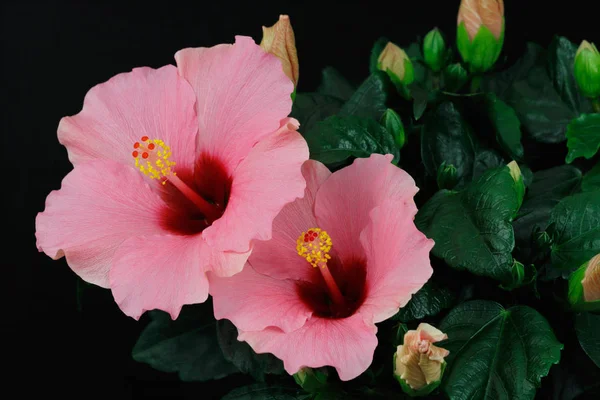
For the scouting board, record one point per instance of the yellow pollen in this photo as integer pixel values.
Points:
(152, 158)
(314, 245)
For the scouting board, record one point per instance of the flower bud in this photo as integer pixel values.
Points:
(396, 63)
(455, 76)
(480, 33)
(584, 286)
(418, 364)
(519, 185)
(311, 380)
(587, 69)
(434, 50)
(393, 124)
(279, 40)
(447, 176)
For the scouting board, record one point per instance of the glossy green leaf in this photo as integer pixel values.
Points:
(446, 138)
(497, 353)
(333, 84)
(338, 138)
(561, 60)
(583, 137)
(484, 160)
(369, 99)
(427, 302)
(591, 180)
(587, 326)
(242, 356)
(187, 345)
(310, 108)
(507, 127)
(548, 188)
(262, 391)
(414, 52)
(575, 230)
(472, 228)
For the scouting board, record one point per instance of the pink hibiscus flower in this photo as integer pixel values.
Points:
(176, 171)
(356, 227)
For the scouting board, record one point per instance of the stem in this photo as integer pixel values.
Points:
(596, 104)
(475, 83)
(209, 211)
(334, 290)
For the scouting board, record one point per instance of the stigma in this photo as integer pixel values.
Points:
(152, 158)
(314, 245)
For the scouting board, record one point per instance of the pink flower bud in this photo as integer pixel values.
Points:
(418, 362)
(279, 40)
(475, 13)
(591, 280)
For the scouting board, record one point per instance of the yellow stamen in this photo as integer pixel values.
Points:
(152, 158)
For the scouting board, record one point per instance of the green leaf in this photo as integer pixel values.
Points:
(446, 138)
(375, 52)
(591, 180)
(242, 356)
(333, 84)
(369, 99)
(507, 127)
(310, 108)
(540, 109)
(484, 160)
(264, 392)
(187, 345)
(483, 211)
(338, 138)
(561, 60)
(587, 326)
(575, 230)
(501, 82)
(414, 52)
(420, 98)
(497, 353)
(548, 188)
(583, 137)
(427, 302)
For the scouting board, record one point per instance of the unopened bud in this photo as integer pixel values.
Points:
(396, 63)
(279, 40)
(447, 176)
(418, 364)
(393, 124)
(455, 76)
(480, 33)
(584, 286)
(587, 69)
(434, 50)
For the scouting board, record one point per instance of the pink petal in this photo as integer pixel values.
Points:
(253, 301)
(116, 114)
(242, 95)
(346, 344)
(100, 204)
(278, 257)
(398, 258)
(344, 202)
(164, 272)
(266, 180)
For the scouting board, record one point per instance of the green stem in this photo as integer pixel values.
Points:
(596, 104)
(475, 83)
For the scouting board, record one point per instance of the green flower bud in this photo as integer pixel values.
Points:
(311, 380)
(584, 286)
(396, 63)
(587, 69)
(519, 185)
(447, 176)
(455, 76)
(434, 50)
(393, 123)
(480, 33)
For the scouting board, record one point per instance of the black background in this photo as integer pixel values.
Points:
(53, 52)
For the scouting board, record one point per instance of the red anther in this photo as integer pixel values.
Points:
(144, 138)
(144, 155)
(305, 239)
(136, 145)
(310, 232)
(312, 239)
(135, 154)
(151, 146)
(315, 234)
